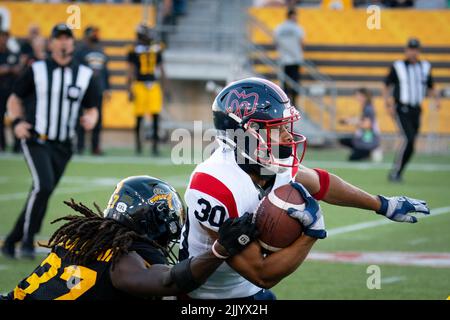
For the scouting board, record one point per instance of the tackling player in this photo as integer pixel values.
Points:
(259, 152)
(123, 254)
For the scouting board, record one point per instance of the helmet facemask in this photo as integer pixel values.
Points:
(164, 224)
(266, 144)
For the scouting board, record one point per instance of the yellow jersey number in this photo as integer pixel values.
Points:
(147, 63)
(78, 279)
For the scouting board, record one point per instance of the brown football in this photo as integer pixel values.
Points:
(277, 229)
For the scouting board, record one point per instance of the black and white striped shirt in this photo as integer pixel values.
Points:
(53, 95)
(410, 81)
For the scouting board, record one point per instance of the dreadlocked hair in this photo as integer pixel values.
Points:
(90, 236)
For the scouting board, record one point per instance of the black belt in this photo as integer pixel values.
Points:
(43, 138)
(408, 105)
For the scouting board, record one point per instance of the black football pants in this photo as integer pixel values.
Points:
(46, 162)
(155, 136)
(293, 72)
(408, 121)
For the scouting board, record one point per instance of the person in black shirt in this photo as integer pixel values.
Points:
(9, 69)
(54, 91)
(410, 80)
(91, 54)
(123, 253)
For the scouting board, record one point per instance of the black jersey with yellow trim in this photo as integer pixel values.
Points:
(145, 59)
(56, 278)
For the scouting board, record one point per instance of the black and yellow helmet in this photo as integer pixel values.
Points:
(149, 206)
(144, 33)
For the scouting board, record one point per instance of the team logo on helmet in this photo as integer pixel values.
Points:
(157, 190)
(162, 197)
(238, 103)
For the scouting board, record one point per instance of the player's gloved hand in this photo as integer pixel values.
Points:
(397, 208)
(311, 217)
(235, 234)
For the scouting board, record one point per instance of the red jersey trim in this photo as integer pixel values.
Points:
(213, 187)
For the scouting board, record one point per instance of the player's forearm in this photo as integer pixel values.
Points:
(131, 275)
(265, 272)
(280, 264)
(203, 266)
(15, 107)
(342, 193)
(130, 76)
(129, 83)
(339, 192)
(388, 101)
(92, 114)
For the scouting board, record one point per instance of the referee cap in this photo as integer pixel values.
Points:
(413, 43)
(60, 29)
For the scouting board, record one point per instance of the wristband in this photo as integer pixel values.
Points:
(218, 255)
(384, 205)
(181, 274)
(324, 181)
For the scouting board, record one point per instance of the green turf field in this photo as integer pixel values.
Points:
(89, 179)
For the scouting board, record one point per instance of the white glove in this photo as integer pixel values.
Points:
(397, 208)
(311, 217)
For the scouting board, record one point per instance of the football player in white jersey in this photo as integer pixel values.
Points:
(259, 151)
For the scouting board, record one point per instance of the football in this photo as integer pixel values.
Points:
(277, 229)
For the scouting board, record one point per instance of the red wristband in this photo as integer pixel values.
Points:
(324, 180)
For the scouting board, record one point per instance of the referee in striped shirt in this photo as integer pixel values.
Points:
(410, 80)
(48, 99)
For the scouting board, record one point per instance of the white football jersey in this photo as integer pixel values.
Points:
(219, 189)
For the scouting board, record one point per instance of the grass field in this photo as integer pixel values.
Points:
(89, 179)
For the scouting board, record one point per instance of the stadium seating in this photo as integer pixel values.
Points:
(342, 47)
(337, 42)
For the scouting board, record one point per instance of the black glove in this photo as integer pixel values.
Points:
(235, 234)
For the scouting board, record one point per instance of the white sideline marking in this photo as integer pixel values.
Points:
(417, 259)
(98, 181)
(124, 159)
(418, 241)
(94, 183)
(390, 280)
(23, 195)
(372, 224)
(321, 163)
(107, 159)
(2, 267)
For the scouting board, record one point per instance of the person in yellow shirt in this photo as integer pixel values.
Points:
(145, 70)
